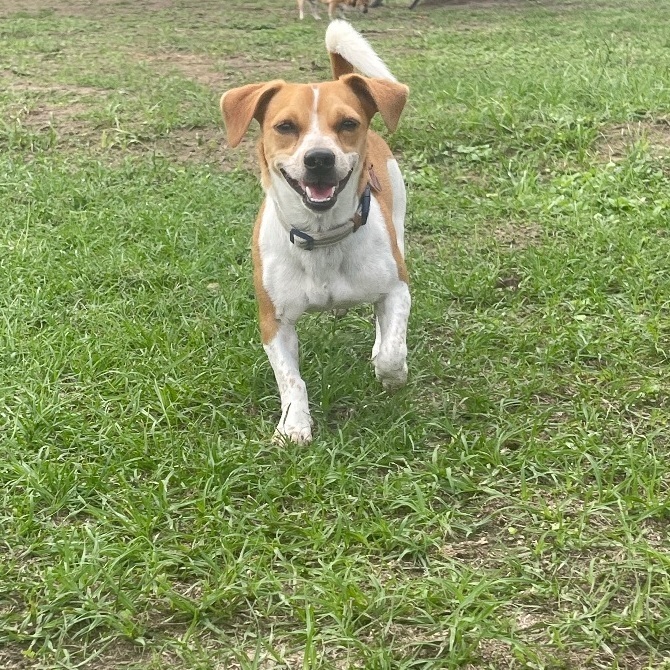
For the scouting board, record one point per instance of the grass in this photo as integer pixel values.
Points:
(508, 509)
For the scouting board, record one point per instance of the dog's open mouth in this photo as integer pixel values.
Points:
(318, 196)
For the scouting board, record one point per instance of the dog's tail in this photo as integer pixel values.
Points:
(349, 49)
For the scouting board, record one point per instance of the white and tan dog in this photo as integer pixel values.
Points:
(330, 232)
(332, 6)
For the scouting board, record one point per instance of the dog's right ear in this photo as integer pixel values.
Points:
(240, 105)
(380, 95)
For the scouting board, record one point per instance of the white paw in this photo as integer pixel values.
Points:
(295, 426)
(392, 378)
(297, 434)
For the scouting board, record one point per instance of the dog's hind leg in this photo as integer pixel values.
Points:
(282, 351)
(315, 9)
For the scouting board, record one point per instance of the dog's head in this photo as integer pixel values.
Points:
(313, 135)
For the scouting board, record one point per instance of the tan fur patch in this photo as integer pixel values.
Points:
(266, 310)
(378, 153)
(340, 65)
(240, 105)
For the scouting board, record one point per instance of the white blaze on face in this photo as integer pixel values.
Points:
(315, 139)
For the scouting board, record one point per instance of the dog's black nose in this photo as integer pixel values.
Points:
(319, 159)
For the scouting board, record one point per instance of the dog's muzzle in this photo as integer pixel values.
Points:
(319, 187)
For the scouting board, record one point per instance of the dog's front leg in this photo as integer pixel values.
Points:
(390, 350)
(295, 423)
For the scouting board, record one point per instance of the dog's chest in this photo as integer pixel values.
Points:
(359, 269)
(335, 279)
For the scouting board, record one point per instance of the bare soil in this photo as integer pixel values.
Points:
(617, 140)
(439, 3)
(93, 8)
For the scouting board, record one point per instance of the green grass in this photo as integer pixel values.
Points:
(508, 509)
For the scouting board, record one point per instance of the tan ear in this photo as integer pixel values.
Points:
(240, 105)
(384, 96)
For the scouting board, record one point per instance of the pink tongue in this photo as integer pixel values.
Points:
(321, 192)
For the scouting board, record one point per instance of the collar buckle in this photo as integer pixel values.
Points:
(308, 240)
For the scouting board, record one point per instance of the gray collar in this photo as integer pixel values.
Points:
(309, 241)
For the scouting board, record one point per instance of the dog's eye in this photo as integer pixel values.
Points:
(349, 124)
(286, 128)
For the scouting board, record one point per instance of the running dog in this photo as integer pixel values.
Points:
(330, 233)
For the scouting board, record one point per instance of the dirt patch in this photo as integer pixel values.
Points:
(66, 128)
(204, 145)
(52, 108)
(456, 3)
(92, 8)
(222, 72)
(14, 659)
(63, 119)
(517, 235)
(45, 127)
(474, 553)
(495, 652)
(11, 84)
(65, 123)
(616, 141)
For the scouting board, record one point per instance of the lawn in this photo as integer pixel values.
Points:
(508, 509)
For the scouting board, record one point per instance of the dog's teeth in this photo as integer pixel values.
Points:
(321, 194)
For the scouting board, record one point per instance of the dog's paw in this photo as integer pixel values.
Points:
(296, 434)
(295, 425)
(392, 378)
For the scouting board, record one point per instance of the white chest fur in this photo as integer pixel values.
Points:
(358, 269)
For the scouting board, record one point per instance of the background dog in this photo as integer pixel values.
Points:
(333, 5)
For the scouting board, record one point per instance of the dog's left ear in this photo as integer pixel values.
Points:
(240, 105)
(381, 95)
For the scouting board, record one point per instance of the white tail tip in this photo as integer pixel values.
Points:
(343, 39)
